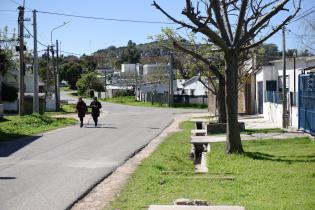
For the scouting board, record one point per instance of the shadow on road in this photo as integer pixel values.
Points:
(10, 147)
(109, 127)
(7, 177)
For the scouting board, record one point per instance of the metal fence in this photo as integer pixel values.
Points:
(277, 97)
(273, 97)
(307, 103)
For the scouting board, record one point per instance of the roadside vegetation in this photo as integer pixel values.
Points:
(12, 127)
(270, 175)
(130, 100)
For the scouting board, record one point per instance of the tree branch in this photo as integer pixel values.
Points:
(212, 68)
(240, 22)
(271, 33)
(263, 20)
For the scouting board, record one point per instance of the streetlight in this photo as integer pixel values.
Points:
(56, 73)
(51, 32)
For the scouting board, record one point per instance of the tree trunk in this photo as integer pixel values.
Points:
(221, 101)
(233, 141)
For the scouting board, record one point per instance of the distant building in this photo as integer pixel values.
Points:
(128, 68)
(155, 68)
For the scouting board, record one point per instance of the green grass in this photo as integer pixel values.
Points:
(68, 108)
(263, 130)
(271, 175)
(12, 127)
(65, 88)
(130, 100)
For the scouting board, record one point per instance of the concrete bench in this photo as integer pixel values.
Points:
(199, 132)
(200, 123)
(201, 143)
(199, 149)
(179, 207)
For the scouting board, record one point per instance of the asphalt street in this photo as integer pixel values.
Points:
(53, 170)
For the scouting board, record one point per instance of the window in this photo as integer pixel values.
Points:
(271, 85)
(192, 92)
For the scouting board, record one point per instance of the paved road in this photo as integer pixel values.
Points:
(53, 170)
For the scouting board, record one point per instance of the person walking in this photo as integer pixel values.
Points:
(81, 110)
(96, 106)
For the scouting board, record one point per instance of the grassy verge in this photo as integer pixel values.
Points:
(12, 127)
(130, 100)
(271, 175)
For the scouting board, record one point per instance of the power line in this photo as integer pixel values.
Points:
(33, 37)
(71, 53)
(106, 19)
(304, 14)
(7, 10)
(17, 3)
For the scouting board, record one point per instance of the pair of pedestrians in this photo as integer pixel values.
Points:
(82, 109)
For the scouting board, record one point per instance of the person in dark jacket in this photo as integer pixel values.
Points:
(81, 110)
(96, 106)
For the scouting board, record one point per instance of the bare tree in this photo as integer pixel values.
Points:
(232, 26)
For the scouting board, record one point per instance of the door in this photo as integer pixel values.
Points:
(260, 97)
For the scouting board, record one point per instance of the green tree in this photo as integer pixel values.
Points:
(71, 73)
(130, 54)
(89, 81)
(6, 54)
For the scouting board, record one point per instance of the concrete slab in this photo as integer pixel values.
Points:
(177, 207)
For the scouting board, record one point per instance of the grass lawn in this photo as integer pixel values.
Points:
(130, 100)
(12, 127)
(271, 175)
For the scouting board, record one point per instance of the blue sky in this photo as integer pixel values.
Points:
(86, 36)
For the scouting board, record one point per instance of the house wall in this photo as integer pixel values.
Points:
(199, 89)
(151, 68)
(128, 68)
(273, 113)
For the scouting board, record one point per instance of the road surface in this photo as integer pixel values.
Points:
(52, 171)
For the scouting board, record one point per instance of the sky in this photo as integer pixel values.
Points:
(87, 36)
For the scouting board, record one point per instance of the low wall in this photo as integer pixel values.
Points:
(214, 128)
(273, 112)
(50, 104)
(10, 106)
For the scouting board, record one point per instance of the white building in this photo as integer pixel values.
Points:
(155, 68)
(193, 87)
(269, 82)
(128, 68)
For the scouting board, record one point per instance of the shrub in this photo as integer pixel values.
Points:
(89, 81)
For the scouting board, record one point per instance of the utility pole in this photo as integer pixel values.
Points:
(57, 77)
(171, 93)
(284, 92)
(47, 74)
(55, 74)
(22, 65)
(35, 67)
(105, 82)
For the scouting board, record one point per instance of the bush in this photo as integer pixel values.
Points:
(89, 81)
(9, 93)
